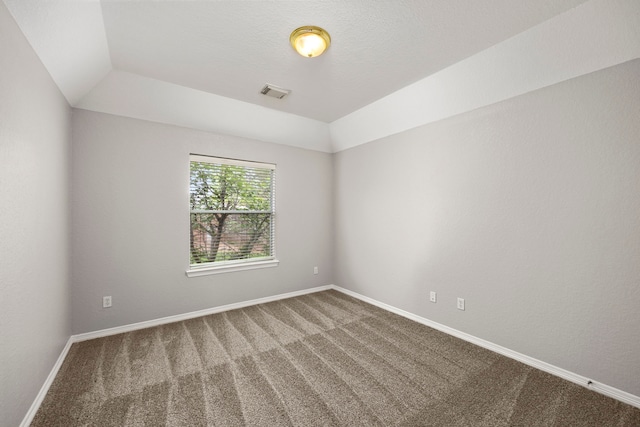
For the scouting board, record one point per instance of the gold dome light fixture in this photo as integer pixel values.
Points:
(310, 41)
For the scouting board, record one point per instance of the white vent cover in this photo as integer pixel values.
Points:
(274, 91)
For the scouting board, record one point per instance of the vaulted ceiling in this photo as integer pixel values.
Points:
(392, 64)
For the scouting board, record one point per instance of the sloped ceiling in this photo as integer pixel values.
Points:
(393, 65)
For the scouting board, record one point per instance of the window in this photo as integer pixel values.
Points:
(232, 215)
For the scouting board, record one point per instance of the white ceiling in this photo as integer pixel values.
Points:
(202, 63)
(232, 48)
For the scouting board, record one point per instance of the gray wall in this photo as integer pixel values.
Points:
(34, 160)
(529, 209)
(130, 215)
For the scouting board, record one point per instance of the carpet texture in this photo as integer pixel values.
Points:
(322, 359)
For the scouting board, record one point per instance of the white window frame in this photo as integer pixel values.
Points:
(196, 270)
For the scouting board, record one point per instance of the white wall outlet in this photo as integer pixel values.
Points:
(315, 270)
(461, 304)
(432, 296)
(106, 302)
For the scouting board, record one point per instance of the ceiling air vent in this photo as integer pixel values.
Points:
(274, 91)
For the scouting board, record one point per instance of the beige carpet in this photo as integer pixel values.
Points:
(322, 359)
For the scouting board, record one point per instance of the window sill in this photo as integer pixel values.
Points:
(228, 268)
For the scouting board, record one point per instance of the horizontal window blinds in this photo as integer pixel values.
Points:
(231, 162)
(232, 207)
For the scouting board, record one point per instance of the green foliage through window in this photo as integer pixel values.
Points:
(232, 210)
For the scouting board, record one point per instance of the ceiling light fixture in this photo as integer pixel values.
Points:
(310, 41)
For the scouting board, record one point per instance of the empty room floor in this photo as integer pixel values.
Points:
(319, 359)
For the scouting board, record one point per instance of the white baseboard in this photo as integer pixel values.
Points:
(45, 387)
(613, 392)
(191, 315)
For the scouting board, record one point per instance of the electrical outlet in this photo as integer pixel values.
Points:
(106, 302)
(315, 270)
(461, 304)
(432, 296)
